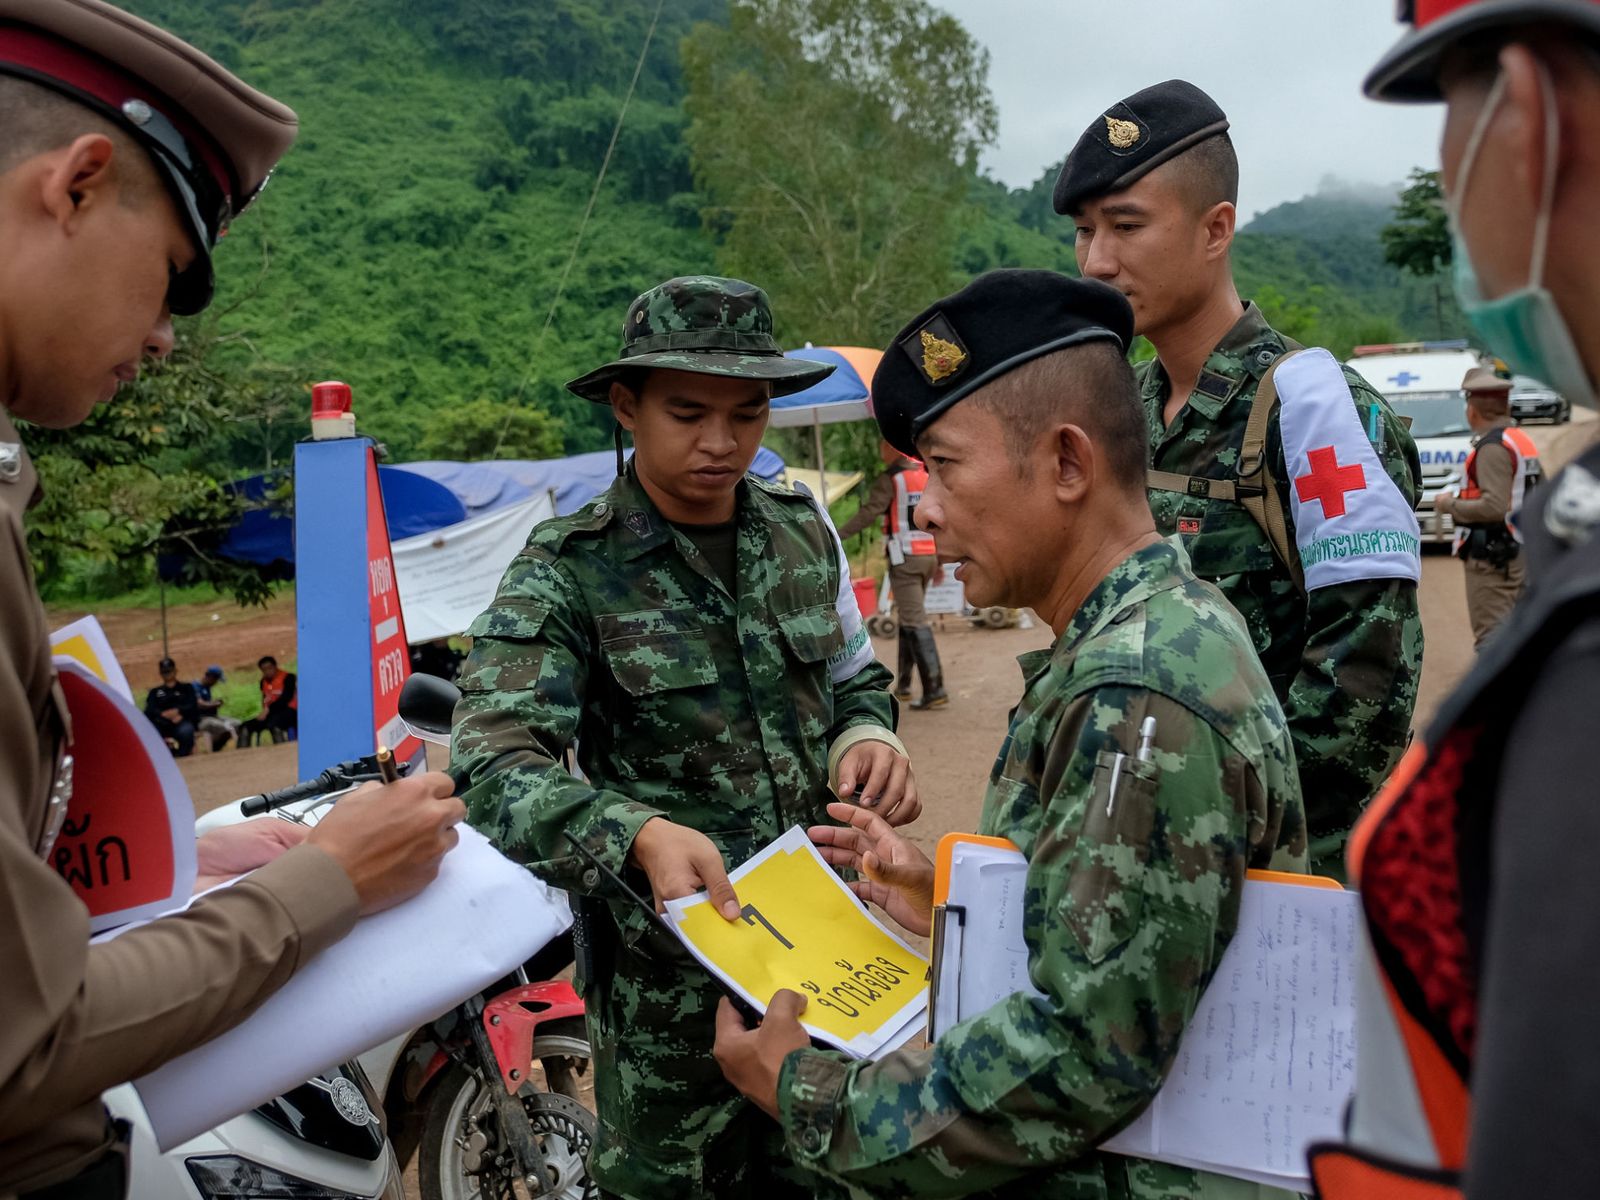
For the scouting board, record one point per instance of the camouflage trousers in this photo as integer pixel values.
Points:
(670, 1126)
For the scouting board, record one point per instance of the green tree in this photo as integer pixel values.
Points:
(484, 429)
(136, 481)
(834, 141)
(1418, 239)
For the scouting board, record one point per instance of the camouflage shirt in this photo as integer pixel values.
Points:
(712, 709)
(1128, 909)
(1345, 660)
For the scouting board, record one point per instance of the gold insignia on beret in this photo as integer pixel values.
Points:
(1122, 133)
(940, 359)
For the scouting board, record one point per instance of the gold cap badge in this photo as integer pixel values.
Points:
(940, 359)
(1122, 133)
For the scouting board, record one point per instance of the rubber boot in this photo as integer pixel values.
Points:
(927, 656)
(908, 658)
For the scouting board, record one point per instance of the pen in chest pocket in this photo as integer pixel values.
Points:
(1146, 752)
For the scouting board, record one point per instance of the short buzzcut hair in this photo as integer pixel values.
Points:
(38, 119)
(1090, 385)
(1208, 173)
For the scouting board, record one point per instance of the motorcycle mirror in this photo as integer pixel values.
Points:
(427, 706)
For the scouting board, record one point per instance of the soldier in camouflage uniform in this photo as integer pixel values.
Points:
(1152, 185)
(1136, 861)
(694, 631)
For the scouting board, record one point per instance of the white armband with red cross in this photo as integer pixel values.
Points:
(1350, 520)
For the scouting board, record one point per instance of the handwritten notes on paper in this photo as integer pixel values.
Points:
(1267, 1064)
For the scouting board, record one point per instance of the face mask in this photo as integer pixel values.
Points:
(1524, 326)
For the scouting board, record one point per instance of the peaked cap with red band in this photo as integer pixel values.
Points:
(213, 139)
(1410, 71)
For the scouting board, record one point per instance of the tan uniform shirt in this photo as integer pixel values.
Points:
(76, 1019)
(1494, 468)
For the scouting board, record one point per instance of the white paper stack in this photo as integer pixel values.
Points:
(479, 920)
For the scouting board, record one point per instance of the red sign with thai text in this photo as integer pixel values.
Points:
(391, 653)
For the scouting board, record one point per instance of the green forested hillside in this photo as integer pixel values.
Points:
(414, 241)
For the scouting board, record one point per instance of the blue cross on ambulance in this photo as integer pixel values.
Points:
(1422, 383)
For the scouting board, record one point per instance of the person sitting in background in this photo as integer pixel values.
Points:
(212, 723)
(280, 706)
(172, 709)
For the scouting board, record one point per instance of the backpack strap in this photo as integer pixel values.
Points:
(1261, 498)
(1254, 489)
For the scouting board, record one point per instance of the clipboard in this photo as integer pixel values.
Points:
(953, 921)
(979, 957)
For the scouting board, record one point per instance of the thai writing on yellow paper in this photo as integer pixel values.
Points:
(801, 929)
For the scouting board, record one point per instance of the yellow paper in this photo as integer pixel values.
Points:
(84, 642)
(803, 930)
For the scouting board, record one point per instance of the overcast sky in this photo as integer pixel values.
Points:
(1287, 72)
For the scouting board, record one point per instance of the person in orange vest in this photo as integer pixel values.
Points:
(1503, 465)
(1479, 955)
(913, 562)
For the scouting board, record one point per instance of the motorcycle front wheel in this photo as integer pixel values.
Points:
(463, 1157)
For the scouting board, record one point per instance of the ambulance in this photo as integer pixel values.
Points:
(1422, 381)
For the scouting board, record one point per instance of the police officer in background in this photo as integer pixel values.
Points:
(111, 198)
(1289, 480)
(1026, 412)
(1502, 466)
(913, 563)
(1477, 1069)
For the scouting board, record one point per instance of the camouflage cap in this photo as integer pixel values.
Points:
(706, 325)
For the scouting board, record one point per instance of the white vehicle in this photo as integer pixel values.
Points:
(1422, 381)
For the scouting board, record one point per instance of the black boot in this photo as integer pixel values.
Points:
(927, 656)
(908, 658)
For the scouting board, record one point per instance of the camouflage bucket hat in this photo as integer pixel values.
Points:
(706, 325)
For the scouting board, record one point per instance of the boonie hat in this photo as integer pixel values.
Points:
(213, 139)
(995, 324)
(1409, 72)
(706, 325)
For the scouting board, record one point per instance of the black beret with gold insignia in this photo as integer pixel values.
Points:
(995, 324)
(1135, 136)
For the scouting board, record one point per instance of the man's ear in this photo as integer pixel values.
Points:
(79, 176)
(1524, 121)
(624, 405)
(1219, 224)
(1074, 467)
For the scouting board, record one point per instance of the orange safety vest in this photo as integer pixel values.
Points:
(1525, 472)
(897, 524)
(1420, 857)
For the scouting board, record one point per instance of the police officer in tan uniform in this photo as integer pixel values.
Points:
(1503, 465)
(124, 154)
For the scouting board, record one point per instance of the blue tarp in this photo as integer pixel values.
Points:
(423, 496)
(486, 486)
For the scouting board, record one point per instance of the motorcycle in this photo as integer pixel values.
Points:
(323, 1140)
(488, 1098)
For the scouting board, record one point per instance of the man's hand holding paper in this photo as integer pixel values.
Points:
(899, 877)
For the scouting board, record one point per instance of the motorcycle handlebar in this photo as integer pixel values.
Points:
(334, 779)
